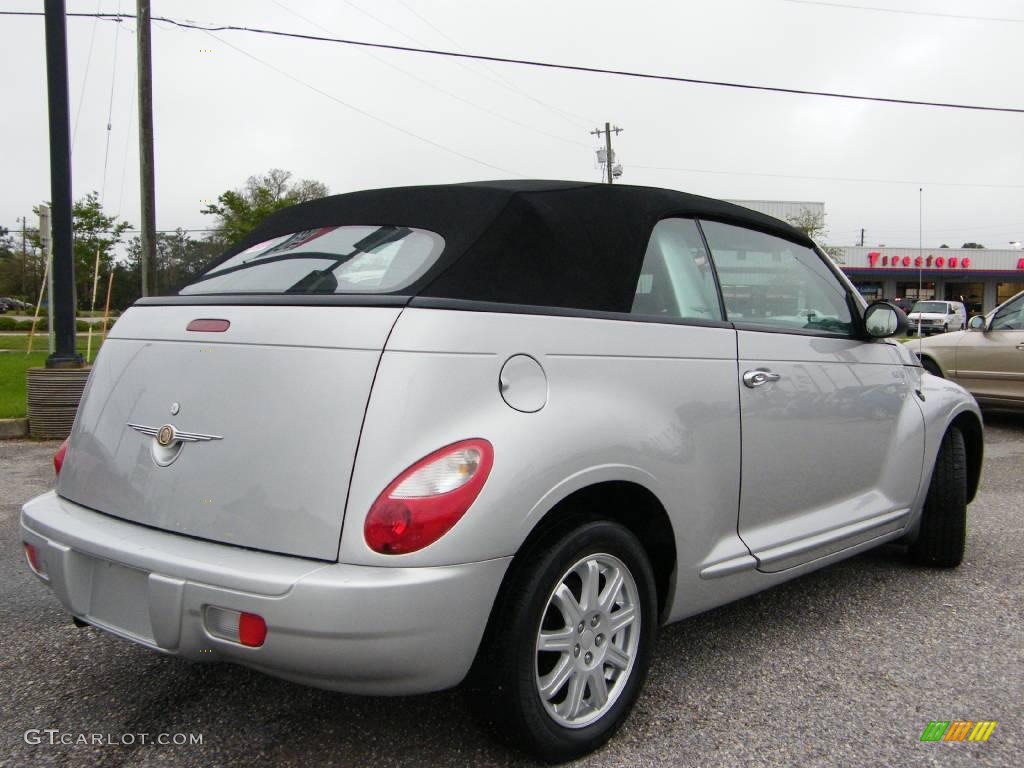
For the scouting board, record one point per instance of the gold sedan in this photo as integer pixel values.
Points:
(987, 359)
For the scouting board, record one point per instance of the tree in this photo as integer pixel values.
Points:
(240, 210)
(972, 245)
(813, 225)
(94, 233)
(179, 258)
(943, 246)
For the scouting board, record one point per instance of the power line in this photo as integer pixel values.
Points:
(551, 65)
(852, 7)
(825, 178)
(110, 111)
(438, 88)
(363, 112)
(502, 82)
(85, 78)
(498, 78)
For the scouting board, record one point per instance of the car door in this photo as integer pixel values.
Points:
(990, 363)
(832, 436)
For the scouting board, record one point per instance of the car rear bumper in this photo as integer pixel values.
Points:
(350, 628)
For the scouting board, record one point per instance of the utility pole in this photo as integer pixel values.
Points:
(148, 195)
(24, 256)
(862, 237)
(62, 298)
(609, 153)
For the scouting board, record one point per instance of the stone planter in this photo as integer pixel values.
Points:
(53, 397)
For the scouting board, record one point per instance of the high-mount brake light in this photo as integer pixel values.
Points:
(58, 457)
(423, 503)
(208, 325)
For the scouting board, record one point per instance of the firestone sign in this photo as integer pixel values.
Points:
(876, 259)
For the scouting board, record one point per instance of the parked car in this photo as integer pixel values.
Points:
(905, 304)
(937, 317)
(987, 359)
(495, 432)
(7, 303)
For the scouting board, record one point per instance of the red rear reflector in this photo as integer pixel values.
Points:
(207, 325)
(33, 559)
(252, 630)
(58, 457)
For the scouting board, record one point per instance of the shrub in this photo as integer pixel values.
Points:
(8, 323)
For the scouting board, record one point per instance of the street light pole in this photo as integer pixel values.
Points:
(147, 191)
(62, 298)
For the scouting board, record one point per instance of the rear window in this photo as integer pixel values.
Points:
(351, 259)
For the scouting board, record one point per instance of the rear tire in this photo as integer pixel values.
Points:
(943, 535)
(550, 687)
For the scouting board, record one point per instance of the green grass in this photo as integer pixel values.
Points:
(14, 364)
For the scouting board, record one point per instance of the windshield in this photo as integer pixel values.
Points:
(352, 259)
(930, 306)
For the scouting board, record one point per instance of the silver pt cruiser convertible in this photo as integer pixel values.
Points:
(500, 431)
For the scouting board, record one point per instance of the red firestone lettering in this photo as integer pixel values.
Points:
(928, 261)
(906, 261)
(940, 262)
(952, 262)
(918, 262)
(873, 258)
(965, 262)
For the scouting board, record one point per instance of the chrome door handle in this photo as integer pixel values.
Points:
(759, 376)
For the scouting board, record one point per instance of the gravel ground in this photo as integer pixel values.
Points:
(842, 667)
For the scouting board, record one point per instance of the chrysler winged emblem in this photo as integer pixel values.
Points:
(168, 434)
(169, 440)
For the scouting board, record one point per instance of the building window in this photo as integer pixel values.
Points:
(911, 291)
(869, 290)
(1006, 291)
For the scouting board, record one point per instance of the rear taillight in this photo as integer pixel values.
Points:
(426, 500)
(58, 457)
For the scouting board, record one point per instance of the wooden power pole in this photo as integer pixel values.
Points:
(609, 153)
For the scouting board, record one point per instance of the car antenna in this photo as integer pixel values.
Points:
(920, 264)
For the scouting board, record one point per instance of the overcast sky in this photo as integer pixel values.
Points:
(233, 104)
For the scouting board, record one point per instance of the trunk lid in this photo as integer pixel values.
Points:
(266, 417)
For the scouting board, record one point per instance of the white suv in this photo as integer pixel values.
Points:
(937, 317)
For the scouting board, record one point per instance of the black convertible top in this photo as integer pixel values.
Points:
(544, 243)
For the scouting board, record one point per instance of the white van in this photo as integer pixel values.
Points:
(937, 317)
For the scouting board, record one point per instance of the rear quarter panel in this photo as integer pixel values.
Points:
(645, 402)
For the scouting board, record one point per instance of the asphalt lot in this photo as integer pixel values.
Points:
(843, 667)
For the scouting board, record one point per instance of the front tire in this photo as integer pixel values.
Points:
(569, 650)
(943, 534)
(931, 366)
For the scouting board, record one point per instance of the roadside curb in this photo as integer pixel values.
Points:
(13, 428)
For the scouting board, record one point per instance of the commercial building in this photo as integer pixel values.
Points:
(981, 278)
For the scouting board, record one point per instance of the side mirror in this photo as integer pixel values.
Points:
(977, 323)
(882, 320)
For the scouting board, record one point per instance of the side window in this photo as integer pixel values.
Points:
(1010, 317)
(771, 282)
(676, 280)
